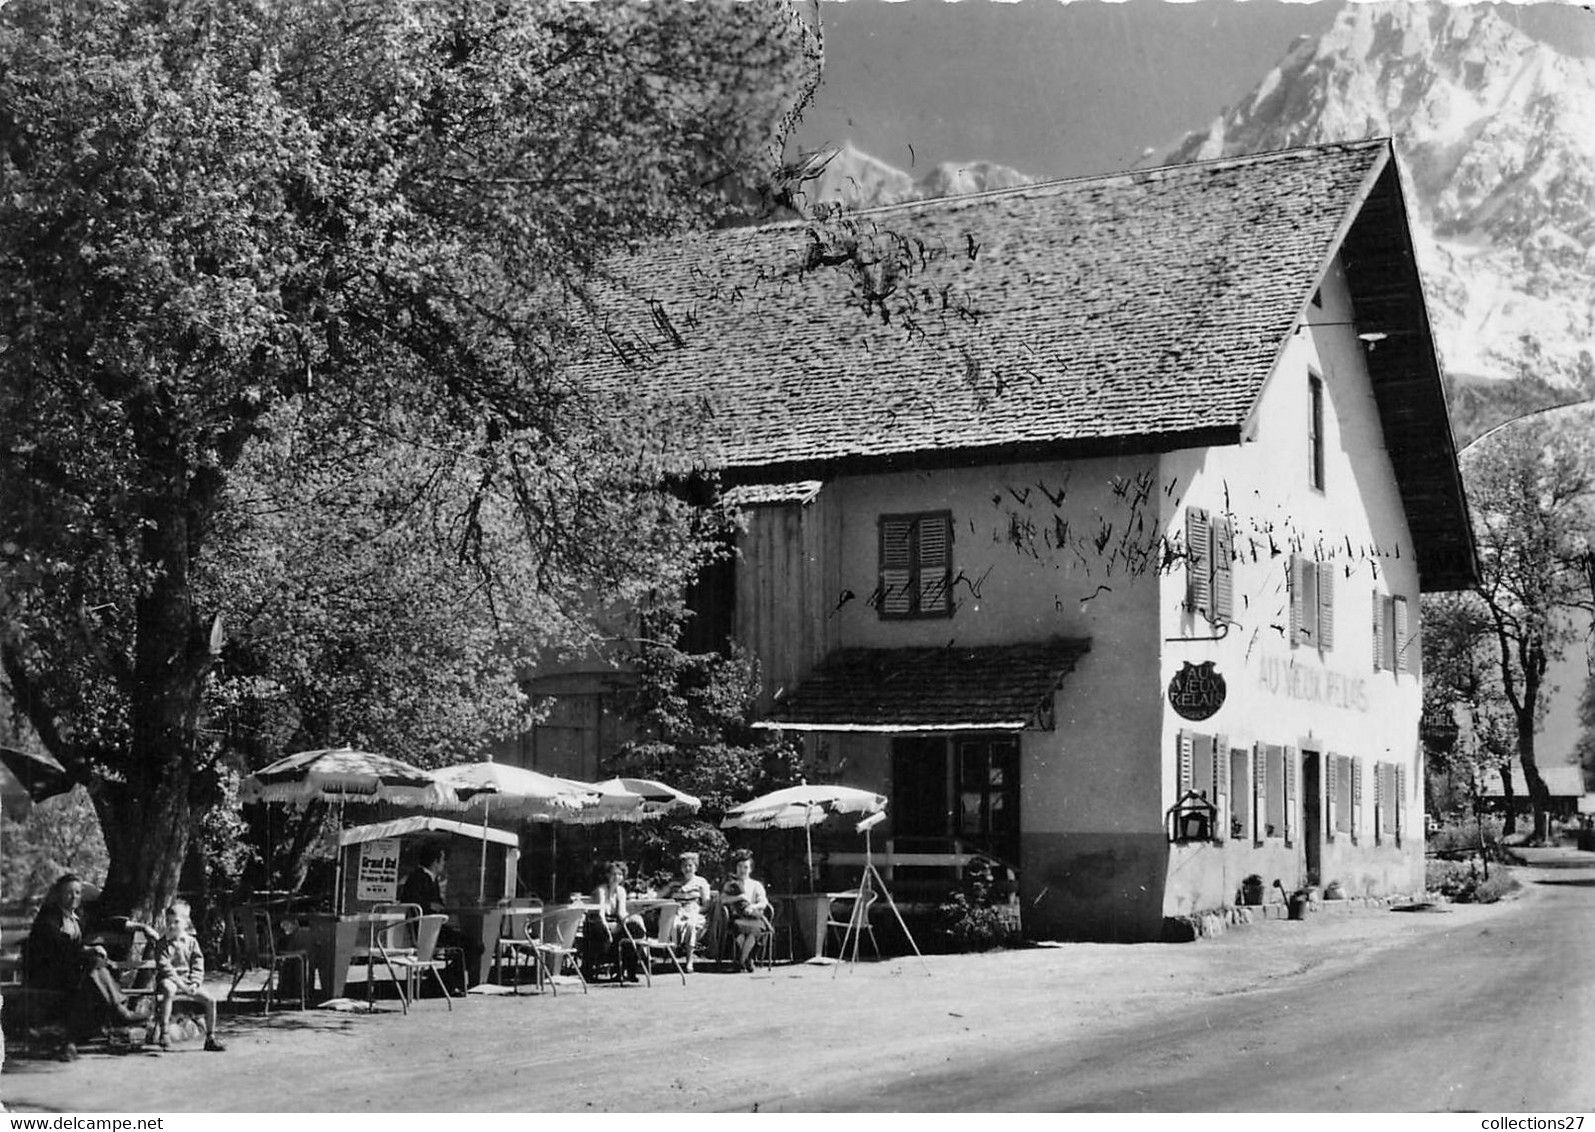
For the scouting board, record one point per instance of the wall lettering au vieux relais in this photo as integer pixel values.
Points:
(1314, 685)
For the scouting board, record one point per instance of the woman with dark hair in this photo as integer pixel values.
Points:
(748, 905)
(55, 958)
(613, 918)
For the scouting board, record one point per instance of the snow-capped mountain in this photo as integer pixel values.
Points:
(1496, 134)
(854, 178)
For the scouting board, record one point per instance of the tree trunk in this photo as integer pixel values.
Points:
(1508, 799)
(1539, 793)
(146, 829)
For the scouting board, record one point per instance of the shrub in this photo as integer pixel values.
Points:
(1460, 834)
(975, 918)
(1465, 884)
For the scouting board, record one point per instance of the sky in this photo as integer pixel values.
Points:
(1063, 89)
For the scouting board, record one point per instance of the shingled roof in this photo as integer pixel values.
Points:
(996, 687)
(1137, 312)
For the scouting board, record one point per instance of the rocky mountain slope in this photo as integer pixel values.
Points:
(1496, 134)
(852, 177)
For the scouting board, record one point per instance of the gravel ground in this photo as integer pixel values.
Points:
(724, 1041)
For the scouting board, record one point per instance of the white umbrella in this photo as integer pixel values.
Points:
(804, 806)
(657, 797)
(340, 775)
(517, 791)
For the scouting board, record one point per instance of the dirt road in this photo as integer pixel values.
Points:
(800, 1037)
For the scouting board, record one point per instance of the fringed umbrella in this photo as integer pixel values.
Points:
(514, 791)
(340, 775)
(803, 806)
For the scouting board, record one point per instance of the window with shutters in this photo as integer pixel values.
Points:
(1240, 796)
(1273, 791)
(1312, 602)
(916, 562)
(1209, 565)
(1315, 431)
(1204, 767)
(1339, 793)
(1389, 782)
(1395, 641)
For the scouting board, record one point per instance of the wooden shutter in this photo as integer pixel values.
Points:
(935, 561)
(897, 561)
(1400, 777)
(1326, 605)
(1398, 633)
(1379, 803)
(1198, 561)
(1290, 795)
(1331, 784)
(1298, 611)
(1223, 540)
(1378, 631)
(1259, 793)
(1221, 787)
(1356, 797)
(1183, 774)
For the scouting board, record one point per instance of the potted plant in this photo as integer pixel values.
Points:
(1252, 890)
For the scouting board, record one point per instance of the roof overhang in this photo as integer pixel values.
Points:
(920, 690)
(401, 827)
(1392, 322)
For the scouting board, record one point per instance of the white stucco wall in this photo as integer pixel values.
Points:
(1330, 700)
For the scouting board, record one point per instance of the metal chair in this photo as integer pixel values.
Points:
(663, 939)
(256, 935)
(557, 932)
(856, 922)
(418, 952)
(515, 944)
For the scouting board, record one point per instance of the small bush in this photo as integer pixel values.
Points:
(1460, 834)
(1464, 883)
(975, 918)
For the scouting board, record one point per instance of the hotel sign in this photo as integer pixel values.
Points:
(1197, 691)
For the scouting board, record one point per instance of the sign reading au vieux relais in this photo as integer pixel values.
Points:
(1196, 691)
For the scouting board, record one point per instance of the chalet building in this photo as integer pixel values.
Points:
(1087, 520)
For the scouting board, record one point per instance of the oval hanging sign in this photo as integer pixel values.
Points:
(1197, 691)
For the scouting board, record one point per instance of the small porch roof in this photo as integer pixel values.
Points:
(957, 688)
(399, 827)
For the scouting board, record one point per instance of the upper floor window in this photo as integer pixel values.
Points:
(1395, 641)
(1315, 431)
(1312, 602)
(916, 563)
(1210, 559)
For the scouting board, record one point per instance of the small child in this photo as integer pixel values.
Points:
(180, 970)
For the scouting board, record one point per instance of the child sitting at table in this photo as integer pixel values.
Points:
(180, 971)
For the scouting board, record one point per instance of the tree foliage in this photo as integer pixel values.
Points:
(1532, 491)
(284, 289)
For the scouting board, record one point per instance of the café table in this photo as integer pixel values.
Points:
(332, 941)
(484, 925)
(809, 911)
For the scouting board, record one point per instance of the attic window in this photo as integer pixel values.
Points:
(1315, 432)
(916, 557)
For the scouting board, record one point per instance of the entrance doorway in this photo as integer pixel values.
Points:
(1313, 814)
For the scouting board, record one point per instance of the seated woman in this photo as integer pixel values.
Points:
(748, 904)
(56, 958)
(612, 918)
(693, 893)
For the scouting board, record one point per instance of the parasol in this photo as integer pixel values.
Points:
(340, 775)
(657, 798)
(803, 806)
(514, 791)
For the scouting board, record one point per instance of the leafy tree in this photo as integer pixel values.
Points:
(1585, 747)
(1531, 490)
(695, 711)
(284, 289)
